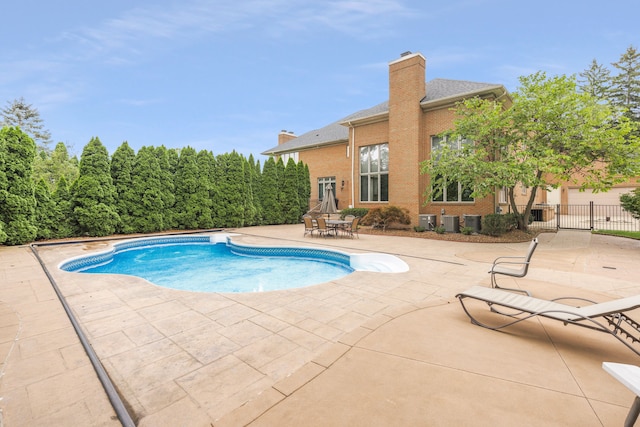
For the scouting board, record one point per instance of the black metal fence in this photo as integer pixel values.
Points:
(582, 217)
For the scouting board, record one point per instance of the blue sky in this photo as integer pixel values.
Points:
(230, 74)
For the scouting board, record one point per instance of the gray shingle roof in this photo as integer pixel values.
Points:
(436, 90)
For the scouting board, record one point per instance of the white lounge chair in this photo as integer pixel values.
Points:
(606, 317)
(514, 266)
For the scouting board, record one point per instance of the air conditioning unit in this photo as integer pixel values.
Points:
(428, 222)
(451, 223)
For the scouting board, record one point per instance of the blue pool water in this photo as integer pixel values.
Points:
(208, 267)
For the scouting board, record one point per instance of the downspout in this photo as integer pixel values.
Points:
(353, 143)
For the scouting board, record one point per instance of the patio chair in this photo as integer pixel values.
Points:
(514, 266)
(352, 229)
(309, 226)
(606, 317)
(323, 229)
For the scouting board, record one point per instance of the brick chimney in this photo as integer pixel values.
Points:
(285, 136)
(407, 87)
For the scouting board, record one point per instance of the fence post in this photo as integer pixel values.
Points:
(591, 215)
(557, 217)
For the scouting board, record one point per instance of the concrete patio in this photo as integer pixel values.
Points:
(369, 349)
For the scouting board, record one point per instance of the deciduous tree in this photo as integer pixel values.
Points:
(51, 166)
(551, 134)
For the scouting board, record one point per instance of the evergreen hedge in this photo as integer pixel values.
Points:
(152, 190)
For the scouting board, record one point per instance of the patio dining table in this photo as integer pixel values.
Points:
(336, 224)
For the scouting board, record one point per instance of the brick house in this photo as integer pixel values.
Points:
(372, 157)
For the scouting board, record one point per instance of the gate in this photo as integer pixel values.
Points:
(582, 217)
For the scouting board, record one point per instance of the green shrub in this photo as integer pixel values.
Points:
(440, 229)
(494, 224)
(631, 202)
(511, 220)
(418, 229)
(359, 212)
(466, 230)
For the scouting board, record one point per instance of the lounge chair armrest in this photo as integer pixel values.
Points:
(574, 299)
(499, 259)
(495, 264)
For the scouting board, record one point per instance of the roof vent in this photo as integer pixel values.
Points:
(403, 54)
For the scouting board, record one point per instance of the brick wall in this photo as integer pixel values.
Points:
(327, 162)
(407, 130)
(437, 121)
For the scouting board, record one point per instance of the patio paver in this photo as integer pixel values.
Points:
(368, 349)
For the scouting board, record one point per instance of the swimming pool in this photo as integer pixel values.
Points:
(213, 263)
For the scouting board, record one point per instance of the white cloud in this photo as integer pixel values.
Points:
(137, 28)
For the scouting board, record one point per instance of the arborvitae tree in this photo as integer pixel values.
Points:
(45, 211)
(20, 114)
(232, 189)
(596, 81)
(167, 160)
(290, 200)
(63, 210)
(93, 194)
(17, 203)
(304, 187)
(625, 88)
(173, 157)
(52, 166)
(4, 186)
(148, 212)
(270, 193)
(121, 174)
(280, 167)
(251, 205)
(186, 187)
(256, 193)
(206, 163)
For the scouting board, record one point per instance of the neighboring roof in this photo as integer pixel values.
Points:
(438, 91)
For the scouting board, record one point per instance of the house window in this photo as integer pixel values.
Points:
(286, 156)
(374, 173)
(452, 191)
(503, 195)
(323, 183)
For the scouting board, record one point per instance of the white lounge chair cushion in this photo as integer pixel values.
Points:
(550, 308)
